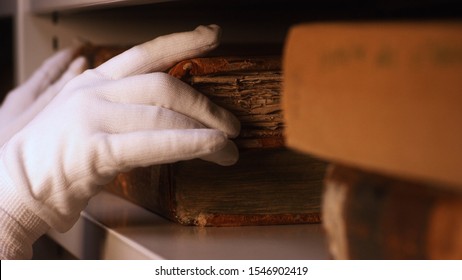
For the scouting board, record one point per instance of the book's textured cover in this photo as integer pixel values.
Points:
(248, 86)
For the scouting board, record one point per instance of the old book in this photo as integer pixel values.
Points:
(269, 185)
(265, 187)
(371, 216)
(384, 96)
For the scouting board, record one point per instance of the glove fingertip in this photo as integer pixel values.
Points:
(235, 127)
(211, 35)
(78, 65)
(226, 156)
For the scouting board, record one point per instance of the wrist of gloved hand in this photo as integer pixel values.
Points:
(20, 227)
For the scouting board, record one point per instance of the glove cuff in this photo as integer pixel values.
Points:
(20, 227)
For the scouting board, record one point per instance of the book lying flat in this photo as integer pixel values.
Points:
(264, 187)
(268, 185)
(368, 215)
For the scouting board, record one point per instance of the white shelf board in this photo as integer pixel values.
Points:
(113, 228)
(47, 6)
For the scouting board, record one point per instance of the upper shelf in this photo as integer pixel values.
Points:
(7, 7)
(316, 10)
(47, 6)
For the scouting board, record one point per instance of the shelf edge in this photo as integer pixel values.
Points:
(49, 6)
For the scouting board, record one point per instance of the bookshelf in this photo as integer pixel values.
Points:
(114, 228)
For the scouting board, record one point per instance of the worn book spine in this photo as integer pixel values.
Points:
(372, 216)
(269, 184)
(248, 86)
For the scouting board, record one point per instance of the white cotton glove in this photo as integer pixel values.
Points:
(24, 102)
(111, 119)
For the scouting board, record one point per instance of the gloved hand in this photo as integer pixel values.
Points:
(107, 120)
(27, 100)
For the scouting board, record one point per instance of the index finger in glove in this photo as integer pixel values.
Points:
(50, 70)
(75, 68)
(160, 89)
(18, 100)
(143, 148)
(161, 53)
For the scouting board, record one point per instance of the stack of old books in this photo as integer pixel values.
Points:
(382, 102)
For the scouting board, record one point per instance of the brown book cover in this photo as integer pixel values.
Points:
(372, 216)
(384, 96)
(264, 187)
(269, 184)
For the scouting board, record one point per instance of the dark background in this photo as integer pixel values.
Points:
(6, 56)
